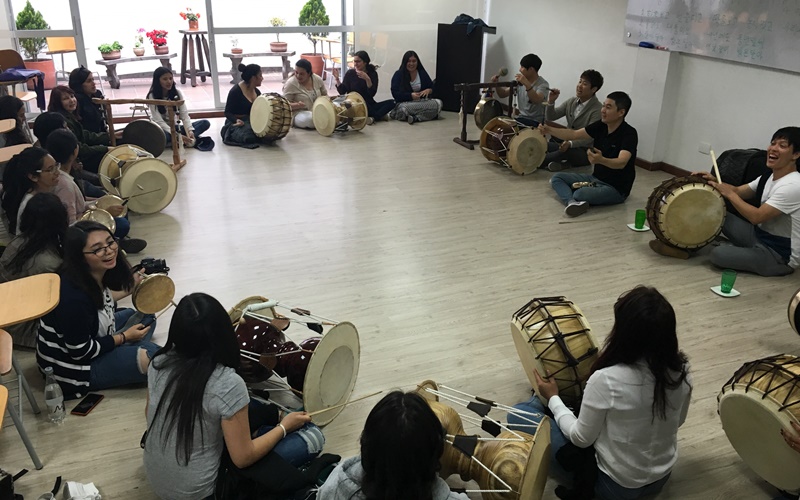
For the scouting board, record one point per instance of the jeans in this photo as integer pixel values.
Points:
(601, 194)
(89, 189)
(199, 127)
(605, 487)
(576, 157)
(121, 365)
(380, 109)
(745, 252)
(298, 447)
(123, 227)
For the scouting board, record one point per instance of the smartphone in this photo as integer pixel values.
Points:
(87, 404)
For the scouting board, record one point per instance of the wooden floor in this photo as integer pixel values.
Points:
(428, 249)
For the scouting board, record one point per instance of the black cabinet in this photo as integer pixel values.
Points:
(458, 60)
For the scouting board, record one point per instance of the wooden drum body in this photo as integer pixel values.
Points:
(686, 212)
(520, 149)
(339, 114)
(271, 116)
(496, 138)
(323, 368)
(553, 337)
(147, 183)
(762, 398)
(115, 161)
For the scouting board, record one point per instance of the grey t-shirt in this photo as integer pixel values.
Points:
(529, 109)
(225, 394)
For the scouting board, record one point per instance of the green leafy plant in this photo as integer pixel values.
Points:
(31, 19)
(313, 14)
(277, 22)
(107, 48)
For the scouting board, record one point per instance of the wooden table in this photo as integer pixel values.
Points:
(202, 48)
(28, 298)
(236, 60)
(111, 66)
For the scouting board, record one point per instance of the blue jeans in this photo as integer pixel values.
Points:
(298, 447)
(199, 127)
(601, 194)
(123, 227)
(121, 365)
(607, 489)
(557, 438)
(380, 109)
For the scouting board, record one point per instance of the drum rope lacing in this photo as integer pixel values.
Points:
(775, 365)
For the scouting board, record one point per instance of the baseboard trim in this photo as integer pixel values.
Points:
(660, 165)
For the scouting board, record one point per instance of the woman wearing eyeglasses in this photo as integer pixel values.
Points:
(91, 344)
(29, 172)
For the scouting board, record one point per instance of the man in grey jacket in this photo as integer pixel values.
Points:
(580, 111)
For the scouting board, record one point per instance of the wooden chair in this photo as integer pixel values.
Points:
(11, 59)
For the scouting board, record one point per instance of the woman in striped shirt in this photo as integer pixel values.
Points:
(90, 344)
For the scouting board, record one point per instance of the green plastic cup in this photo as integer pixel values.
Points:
(728, 279)
(641, 216)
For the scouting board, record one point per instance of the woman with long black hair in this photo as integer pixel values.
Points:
(401, 445)
(37, 249)
(412, 89)
(28, 172)
(363, 78)
(13, 108)
(163, 87)
(198, 406)
(634, 401)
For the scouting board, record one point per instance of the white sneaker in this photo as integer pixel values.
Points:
(576, 208)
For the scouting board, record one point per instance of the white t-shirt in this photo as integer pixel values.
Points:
(416, 83)
(783, 195)
(632, 448)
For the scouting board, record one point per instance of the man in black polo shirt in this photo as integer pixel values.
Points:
(613, 157)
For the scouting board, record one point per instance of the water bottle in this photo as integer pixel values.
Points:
(53, 397)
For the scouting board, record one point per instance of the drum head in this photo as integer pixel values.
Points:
(495, 137)
(101, 216)
(753, 421)
(146, 135)
(150, 176)
(261, 115)
(535, 477)
(115, 161)
(485, 110)
(357, 112)
(794, 311)
(153, 294)
(236, 311)
(332, 372)
(526, 151)
(323, 114)
(110, 200)
(686, 214)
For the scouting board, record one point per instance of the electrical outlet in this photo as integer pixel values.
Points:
(704, 148)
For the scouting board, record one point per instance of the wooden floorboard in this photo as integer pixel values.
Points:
(428, 249)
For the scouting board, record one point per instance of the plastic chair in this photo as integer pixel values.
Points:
(11, 59)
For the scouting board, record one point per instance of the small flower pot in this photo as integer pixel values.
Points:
(278, 46)
(161, 49)
(109, 56)
(194, 25)
(138, 51)
(236, 50)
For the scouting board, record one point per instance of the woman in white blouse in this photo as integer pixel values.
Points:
(634, 401)
(163, 87)
(301, 90)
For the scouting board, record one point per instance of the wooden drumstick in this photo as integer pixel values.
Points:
(343, 404)
(716, 168)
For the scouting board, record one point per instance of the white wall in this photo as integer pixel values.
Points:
(727, 104)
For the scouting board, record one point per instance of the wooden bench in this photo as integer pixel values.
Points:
(236, 60)
(111, 66)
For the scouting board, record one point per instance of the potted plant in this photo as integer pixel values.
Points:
(313, 14)
(278, 46)
(138, 43)
(110, 50)
(30, 19)
(235, 49)
(159, 40)
(192, 17)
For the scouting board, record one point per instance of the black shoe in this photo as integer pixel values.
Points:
(411, 119)
(132, 245)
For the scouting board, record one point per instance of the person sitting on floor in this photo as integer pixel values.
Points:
(634, 402)
(163, 87)
(613, 156)
(363, 78)
(28, 172)
(93, 145)
(237, 130)
(580, 111)
(401, 445)
(63, 147)
(766, 239)
(37, 249)
(92, 116)
(412, 89)
(301, 90)
(532, 91)
(13, 108)
(90, 343)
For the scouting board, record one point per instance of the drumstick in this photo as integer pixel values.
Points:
(343, 404)
(716, 168)
(135, 195)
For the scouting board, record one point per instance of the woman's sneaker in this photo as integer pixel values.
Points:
(576, 208)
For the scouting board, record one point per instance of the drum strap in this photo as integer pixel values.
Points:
(466, 444)
(780, 244)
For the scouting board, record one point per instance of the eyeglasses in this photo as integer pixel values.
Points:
(111, 246)
(50, 170)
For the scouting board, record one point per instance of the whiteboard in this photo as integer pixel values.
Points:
(760, 32)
